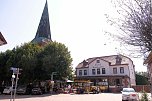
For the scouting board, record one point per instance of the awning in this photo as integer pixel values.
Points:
(69, 81)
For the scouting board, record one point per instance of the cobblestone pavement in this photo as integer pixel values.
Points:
(66, 97)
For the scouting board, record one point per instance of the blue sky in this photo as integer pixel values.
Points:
(79, 24)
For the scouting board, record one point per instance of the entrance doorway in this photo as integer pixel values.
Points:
(118, 82)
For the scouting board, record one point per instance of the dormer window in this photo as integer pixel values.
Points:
(98, 61)
(85, 63)
(118, 59)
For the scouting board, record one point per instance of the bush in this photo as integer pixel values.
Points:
(144, 96)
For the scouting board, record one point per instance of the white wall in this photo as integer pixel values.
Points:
(126, 70)
(131, 72)
(133, 77)
(102, 64)
(83, 71)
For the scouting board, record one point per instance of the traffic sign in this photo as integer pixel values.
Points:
(13, 68)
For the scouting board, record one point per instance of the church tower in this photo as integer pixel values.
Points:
(43, 34)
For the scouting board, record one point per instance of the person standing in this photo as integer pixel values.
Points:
(69, 88)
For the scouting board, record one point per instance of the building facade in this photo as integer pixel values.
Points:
(2, 40)
(113, 71)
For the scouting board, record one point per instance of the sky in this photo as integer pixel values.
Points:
(79, 24)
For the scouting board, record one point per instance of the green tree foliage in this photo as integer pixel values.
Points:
(26, 58)
(57, 58)
(23, 57)
(37, 62)
(141, 78)
(144, 96)
(4, 66)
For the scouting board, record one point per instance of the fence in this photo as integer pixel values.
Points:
(139, 88)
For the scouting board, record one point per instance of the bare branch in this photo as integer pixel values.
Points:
(135, 24)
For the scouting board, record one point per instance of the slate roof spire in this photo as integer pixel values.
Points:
(43, 34)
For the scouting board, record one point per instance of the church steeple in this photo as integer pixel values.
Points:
(43, 34)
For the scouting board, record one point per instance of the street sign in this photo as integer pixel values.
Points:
(14, 69)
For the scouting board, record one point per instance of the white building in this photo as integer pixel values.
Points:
(114, 70)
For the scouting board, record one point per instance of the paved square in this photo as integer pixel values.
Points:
(65, 97)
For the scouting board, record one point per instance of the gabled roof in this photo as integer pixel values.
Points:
(88, 61)
(111, 59)
(2, 40)
(43, 34)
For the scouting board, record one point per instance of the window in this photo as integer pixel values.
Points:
(85, 72)
(98, 71)
(121, 69)
(103, 71)
(93, 72)
(98, 61)
(80, 72)
(114, 70)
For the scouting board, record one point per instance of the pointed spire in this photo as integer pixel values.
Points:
(43, 34)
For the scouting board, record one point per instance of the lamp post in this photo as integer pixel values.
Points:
(16, 83)
(15, 71)
(12, 79)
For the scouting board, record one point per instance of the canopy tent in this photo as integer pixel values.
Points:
(69, 81)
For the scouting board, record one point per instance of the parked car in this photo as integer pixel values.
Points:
(8, 90)
(36, 90)
(22, 90)
(1, 89)
(129, 94)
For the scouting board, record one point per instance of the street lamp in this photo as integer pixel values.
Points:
(15, 71)
(12, 79)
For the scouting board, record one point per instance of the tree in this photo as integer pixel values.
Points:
(23, 57)
(141, 78)
(37, 62)
(56, 58)
(5, 74)
(134, 24)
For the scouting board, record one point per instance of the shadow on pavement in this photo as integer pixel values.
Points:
(24, 96)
